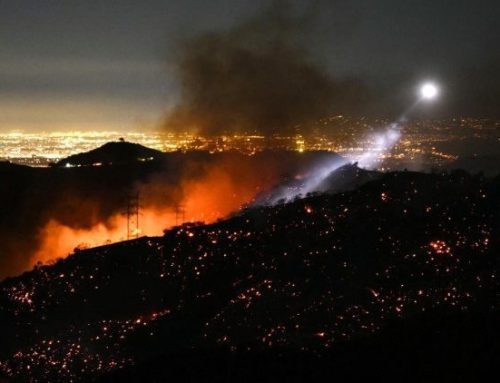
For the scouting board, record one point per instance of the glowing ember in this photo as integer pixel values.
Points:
(440, 247)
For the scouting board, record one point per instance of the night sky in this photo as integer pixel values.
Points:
(109, 64)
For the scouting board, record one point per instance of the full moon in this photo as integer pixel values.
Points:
(429, 91)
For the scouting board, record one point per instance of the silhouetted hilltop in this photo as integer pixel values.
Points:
(347, 177)
(112, 153)
(333, 274)
(7, 166)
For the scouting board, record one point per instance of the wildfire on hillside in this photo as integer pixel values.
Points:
(217, 194)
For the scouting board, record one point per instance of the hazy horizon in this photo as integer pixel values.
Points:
(112, 67)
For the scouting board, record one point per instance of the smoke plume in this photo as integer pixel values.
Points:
(257, 77)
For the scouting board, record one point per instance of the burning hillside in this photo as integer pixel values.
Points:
(49, 212)
(320, 278)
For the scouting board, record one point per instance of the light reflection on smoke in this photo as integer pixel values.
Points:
(302, 185)
(317, 176)
(382, 144)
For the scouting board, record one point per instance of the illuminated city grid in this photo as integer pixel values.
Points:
(349, 137)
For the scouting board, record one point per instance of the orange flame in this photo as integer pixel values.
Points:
(217, 194)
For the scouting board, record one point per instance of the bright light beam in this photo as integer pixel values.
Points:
(382, 143)
(429, 91)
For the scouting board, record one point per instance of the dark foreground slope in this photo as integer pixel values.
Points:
(396, 279)
(440, 346)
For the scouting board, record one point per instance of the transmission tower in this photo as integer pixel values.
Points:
(133, 216)
(180, 214)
